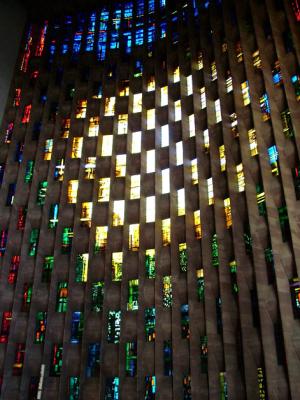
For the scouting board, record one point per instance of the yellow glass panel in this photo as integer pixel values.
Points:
(109, 108)
(135, 187)
(150, 161)
(137, 103)
(86, 214)
(117, 264)
(227, 210)
(256, 59)
(65, 128)
(151, 119)
(165, 181)
(245, 93)
(122, 124)
(166, 231)
(120, 165)
(136, 142)
(164, 96)
(179, 153)
(134, 237)
(252, 142)
(90, 167)
(202, 98)
(150, 209)
(240, 177)
(206, 140)
(181, 202)
(192, 129)
(85, 267)
(104, 189)
(118, 213)
(165, 136)
(176, 75)
(72, 191)
(77, 147)
(218, 111)
(93, 126)
(48, 149)
(189, 85)
(81, 109)
(222, 158)
(177, 106)
(107, 143)
(151, 84)
(199, 60)
(210, 191)
(101, 237)
(124, 90)
(197, 224)
(194, 171)
(214, 74)
(228, 84)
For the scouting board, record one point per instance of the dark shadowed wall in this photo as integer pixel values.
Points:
(12, 21)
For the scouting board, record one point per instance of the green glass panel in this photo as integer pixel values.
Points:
(215, 251)
(183, 260)
(150, 324)
(130, 358)
(223, 386)
(62, 297)
(56, 362)
(41, 195)
(133, 294)
(40, 327)
(74, 388)
(29, 171)
(167, 291)
(233, 272)
(67, 236)
(97, 293)
(33, 242)
(150, 265)
(114, 326)
(47, 268)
